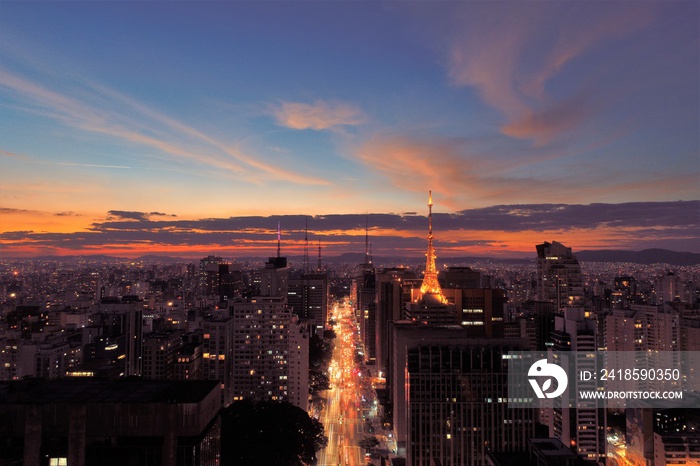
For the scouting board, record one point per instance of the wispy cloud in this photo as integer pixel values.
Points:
(319, 115)
(100, 110)
(511, 60)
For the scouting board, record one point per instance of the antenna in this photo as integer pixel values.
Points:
(320, 267)
(367, 258)
(430, 212)
(279, 238)
(306, 246)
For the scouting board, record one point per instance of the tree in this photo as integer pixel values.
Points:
(368, 443)
(269, 433)
(318, 381)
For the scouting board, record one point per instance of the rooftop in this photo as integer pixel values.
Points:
(87, 390)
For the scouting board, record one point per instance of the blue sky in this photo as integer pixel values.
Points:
(203, 110)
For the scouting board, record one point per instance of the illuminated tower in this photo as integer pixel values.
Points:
(430, 285)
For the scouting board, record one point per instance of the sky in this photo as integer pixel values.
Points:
(189, 128)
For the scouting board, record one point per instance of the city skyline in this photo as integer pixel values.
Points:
(187, 128)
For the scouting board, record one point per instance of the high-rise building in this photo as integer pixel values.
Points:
(188, 362)
(480, 310)
(298, 363)
(274, 277)
(159, 355)
(643, 328)
(690, 334)
(390, 303)
(460, 277)
(365, 295)
(449, 395)
(123, 318)
(681, 448)
(210, 271)
(558, 276)
(261, 348)
(217, 354)
(307, 297)
(583, 428)
(667, 288)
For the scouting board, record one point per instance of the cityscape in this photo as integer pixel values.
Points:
(350, 233)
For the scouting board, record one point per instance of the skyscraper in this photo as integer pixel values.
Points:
(217, 354)
(261, 348)
(124, 318)
(307, 297)
(298, 363)
(390, 303)
(449, 395)
(583, 428)
(558, 276)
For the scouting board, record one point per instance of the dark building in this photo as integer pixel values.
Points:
(390, 304)
(460, 277)
(85, 422)
(159, 355)
(449, 398)
(559, 278)
(307, 296)
(542, 452)
(122, 319)
(366, 306)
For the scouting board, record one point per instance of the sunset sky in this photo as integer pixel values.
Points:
(189, 128)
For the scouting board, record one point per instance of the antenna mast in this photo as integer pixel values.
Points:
(279, 238)
(368, 259)
(306, 246)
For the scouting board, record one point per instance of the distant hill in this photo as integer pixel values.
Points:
(646, 256)
(83, 257)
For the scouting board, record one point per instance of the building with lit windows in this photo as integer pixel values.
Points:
(298, 363)
(159, 355)
(188, 362)
(307, 296)
(390, 303)
(449, 395)
(261, 348)
(583, 428)
(217, 354)
(558, 276)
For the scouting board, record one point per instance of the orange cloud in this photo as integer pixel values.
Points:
(318, 116)
(458, 177)
(508, 61)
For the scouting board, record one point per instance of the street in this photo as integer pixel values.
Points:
(342, 416)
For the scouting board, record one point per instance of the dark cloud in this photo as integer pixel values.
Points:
(637, 225)
(544, 217)
(139, 216)
(128, 214)
(8, 210)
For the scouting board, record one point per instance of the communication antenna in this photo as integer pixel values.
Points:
(279, 238)
(306, 246)
(368, 258)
